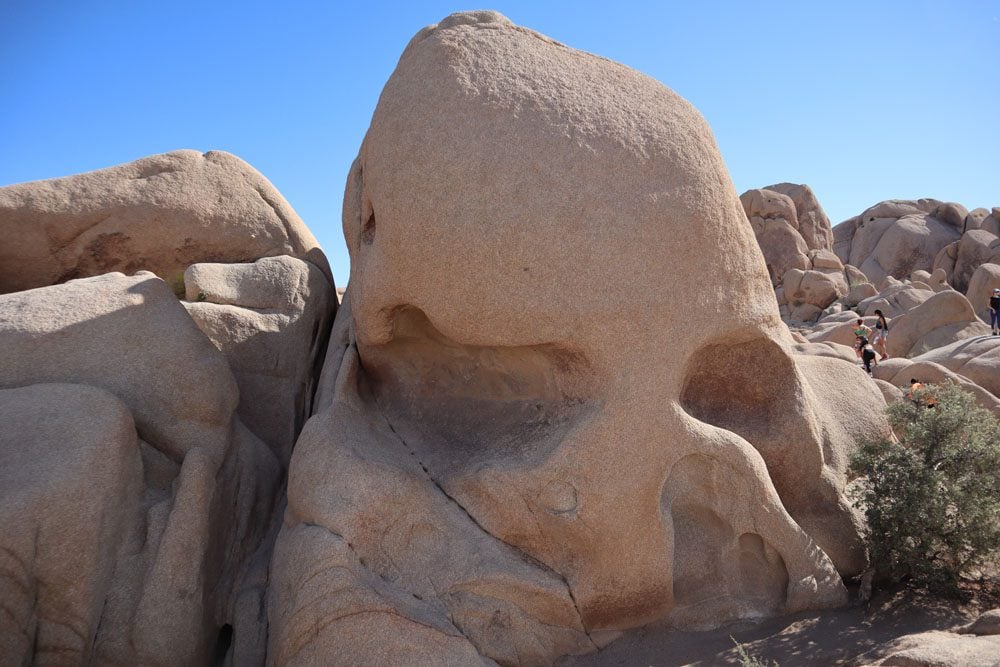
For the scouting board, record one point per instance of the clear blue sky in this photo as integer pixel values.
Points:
(863, 101)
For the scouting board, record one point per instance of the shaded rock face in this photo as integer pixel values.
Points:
(270, 319)
(161, 213)
(132, 500)
(499, 470)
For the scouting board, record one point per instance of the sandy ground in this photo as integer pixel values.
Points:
(847, 636)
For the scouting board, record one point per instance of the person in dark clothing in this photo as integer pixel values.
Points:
(995, 312)
(867, 357)
(862, 333)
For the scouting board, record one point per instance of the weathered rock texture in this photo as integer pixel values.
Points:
(270, 319)
(895, 238)
(131, 498)
(794, 235)
(161, 213)
(976, 359)
(499, 470)
(941, 649)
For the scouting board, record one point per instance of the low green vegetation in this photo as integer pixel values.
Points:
(747, 660)
(931, 495)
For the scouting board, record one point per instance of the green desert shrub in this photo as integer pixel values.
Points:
(932, 496)
(748, 660)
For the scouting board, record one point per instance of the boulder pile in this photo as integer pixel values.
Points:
(144, 439)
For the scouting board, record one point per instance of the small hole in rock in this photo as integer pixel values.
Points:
(222, 643)
(368, 231)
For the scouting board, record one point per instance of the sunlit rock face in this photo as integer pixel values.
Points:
(161, 214)
(143, 446)
(558, 401)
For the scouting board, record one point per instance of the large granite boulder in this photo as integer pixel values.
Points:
(271, 319)
(938, 648)
(70, 493)
(498, 469)
(976, 358)
(775, 224)
(942, 319)
(133, 499)
(161, 213)
(976, 247)
(985, 279)
(794, 235)
(896, 237)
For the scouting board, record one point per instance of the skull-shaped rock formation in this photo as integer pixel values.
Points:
(503, 467)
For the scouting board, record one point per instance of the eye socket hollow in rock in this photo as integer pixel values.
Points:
(368, 230)
(460, 406)
(750, 389)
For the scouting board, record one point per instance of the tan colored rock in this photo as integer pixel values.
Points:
(791, 229)
(898, 372)
(977, 247)
(813, 223)
(890, 392)
(991, 223)
(938, 280)
(775, 225)
(825, 259)
(271, 319)
(805, 312)
(161, 213)
(984, 280)
(834, 309)
(938, 648)
(207, 483)
(952, 214)
(975, 358)
(988, 623)
(942, 319)
(861, 292)
(92, 335)
(894, 238)
(854, 275)
(525, 466)
(815, 288)
(70, 489)
(975, 218)
(896, 299)
(827, 349)
(945, 259)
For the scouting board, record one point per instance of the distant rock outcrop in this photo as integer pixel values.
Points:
(795, 237)
(896, 237)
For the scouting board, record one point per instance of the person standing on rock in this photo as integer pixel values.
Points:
(881, 334)
(862, 333)
(995, 311)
